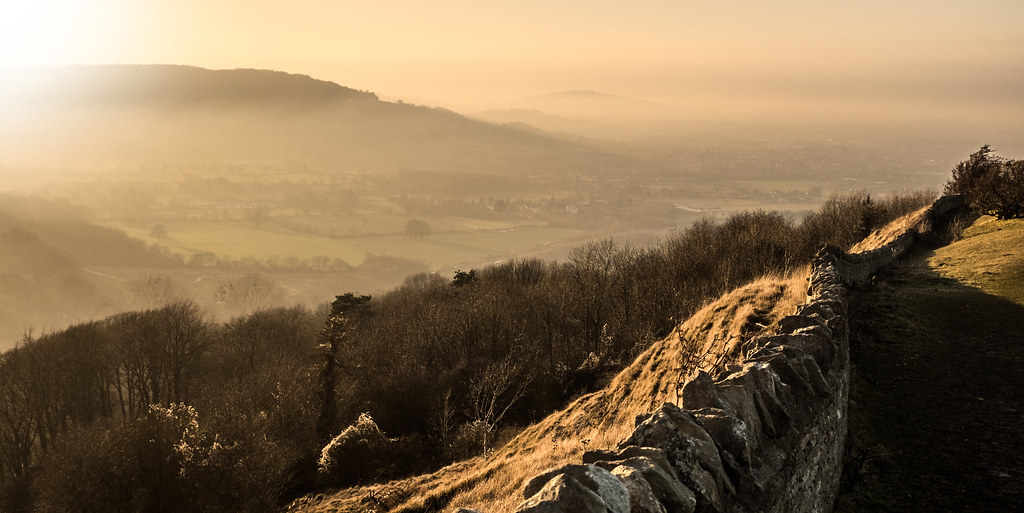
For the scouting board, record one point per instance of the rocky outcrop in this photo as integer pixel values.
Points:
(766, 435)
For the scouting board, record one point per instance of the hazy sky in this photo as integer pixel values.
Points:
(473, 52)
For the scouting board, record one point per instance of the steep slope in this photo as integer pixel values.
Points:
(124, 115)
(493, 482)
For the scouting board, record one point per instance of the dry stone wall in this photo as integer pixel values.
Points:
(764, 436)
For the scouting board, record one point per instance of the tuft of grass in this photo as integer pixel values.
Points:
(600, 420)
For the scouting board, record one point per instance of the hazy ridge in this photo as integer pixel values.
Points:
(133, 114)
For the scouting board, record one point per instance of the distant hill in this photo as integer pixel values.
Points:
(22, 252)
(596, 105)
(45, 250)
(115, 115)
(537, 120)
(589, 113)
(180, 86)
(41, 237)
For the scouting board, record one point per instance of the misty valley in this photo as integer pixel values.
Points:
(299, 237)
(249, 290)
(150, 183)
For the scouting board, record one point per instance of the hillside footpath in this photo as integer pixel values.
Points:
(937, 392)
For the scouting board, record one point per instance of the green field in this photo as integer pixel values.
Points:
(458, 241)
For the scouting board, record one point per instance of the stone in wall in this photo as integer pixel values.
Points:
(654, 467)
(641, 496)
(563, 494)
(609, 489)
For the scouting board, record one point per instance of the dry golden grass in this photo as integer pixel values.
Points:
(892, 231)
(727, 323)
(493, 483)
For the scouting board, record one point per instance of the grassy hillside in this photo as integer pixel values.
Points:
(989, 257)
(493, 482)
(598, 420)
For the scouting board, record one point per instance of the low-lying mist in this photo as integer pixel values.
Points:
(125, 187)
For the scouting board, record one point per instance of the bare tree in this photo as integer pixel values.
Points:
(17, 429)
(156, 290)
(494, 391)
(443, 420)
(160, 355)
(185, 339)
(265, 337)
(249, 293)
(593, 271)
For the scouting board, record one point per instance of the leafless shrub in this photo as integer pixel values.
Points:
(696, 357)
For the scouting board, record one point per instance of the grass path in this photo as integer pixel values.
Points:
(937, 396)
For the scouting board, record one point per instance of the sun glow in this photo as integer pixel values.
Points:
(39, 32)
(58, 32)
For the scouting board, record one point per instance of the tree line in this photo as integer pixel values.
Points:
(168, 410)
